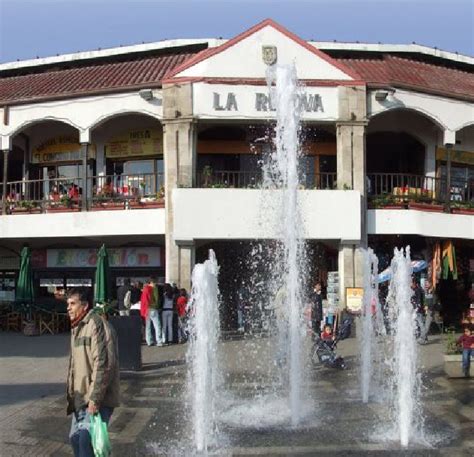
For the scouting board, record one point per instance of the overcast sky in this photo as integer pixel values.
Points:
(30, 28)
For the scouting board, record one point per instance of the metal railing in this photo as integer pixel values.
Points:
(400, 187)
(39, 195)
(66, 194)
(139, 188)
(254, 179)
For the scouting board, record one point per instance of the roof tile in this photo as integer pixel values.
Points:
(90, 78)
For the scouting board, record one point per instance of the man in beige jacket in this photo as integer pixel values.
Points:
(93, 375)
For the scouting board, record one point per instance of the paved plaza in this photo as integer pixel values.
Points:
(153, 418)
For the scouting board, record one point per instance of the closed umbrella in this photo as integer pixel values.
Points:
(102, 276)
(24, 289)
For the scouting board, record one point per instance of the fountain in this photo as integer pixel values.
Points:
(407, 414)
(370, 320)
(281, 174)
(203, 372)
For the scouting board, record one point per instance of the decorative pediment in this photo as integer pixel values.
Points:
(247, 57)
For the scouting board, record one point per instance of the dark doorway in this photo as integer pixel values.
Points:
(395, 152)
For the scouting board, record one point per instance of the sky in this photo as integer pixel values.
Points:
(30, 28)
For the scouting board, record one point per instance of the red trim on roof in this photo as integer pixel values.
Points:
(260, 81)
(203, 55)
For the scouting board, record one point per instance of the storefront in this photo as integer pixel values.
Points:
(134, 161)
(57, 162)
(56, 270)
(450, 267)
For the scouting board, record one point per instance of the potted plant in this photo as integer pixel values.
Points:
(425, 203)
(463, 207)
(26, 206)
(386, 201)
(452, 355)
(65, 204)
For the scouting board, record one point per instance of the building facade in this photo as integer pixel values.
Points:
(156, 150)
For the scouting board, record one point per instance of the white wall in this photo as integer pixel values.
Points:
(82, 113)
(413, 222)
(92, 223)
(247, 214)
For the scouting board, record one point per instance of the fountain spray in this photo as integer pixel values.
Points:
(203, 375)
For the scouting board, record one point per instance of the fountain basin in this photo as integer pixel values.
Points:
(453, 365)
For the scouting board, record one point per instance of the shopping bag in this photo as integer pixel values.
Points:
(99, 436)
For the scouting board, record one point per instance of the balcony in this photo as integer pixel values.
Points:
(232, 179)
(407, 191)
(113, 192)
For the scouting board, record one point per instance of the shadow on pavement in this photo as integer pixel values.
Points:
(16, 393)
(19, 345)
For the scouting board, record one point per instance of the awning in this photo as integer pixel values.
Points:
(417, 265)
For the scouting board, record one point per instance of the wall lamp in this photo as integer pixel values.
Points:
(382, 95)
(146, 94)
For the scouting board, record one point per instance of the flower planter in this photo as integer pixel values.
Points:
(433, 208)
(147, 205)
(26, 211)
(467, 211)
(109, 206)
(453, 366)
(63, 209)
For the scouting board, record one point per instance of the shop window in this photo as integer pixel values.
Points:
(51, 288)
(7, 286)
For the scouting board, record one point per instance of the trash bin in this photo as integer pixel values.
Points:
(129, 335)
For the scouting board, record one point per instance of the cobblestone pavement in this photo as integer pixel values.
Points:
(153, 417)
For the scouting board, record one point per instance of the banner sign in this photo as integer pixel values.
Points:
(146, 142)
(142, 257)
(65, 148)
(464, 157)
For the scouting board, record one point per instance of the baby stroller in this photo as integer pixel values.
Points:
(324, 351)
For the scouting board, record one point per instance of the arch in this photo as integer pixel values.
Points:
(123, 112)
(467, 124)
(431, 117)
(31, 122)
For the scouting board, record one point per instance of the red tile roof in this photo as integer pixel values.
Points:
(100, 77)
(89, 79)
(402, 72)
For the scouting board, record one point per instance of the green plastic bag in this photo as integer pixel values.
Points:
(99, 436)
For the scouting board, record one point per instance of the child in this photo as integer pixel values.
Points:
(326, 334)
(466, 340)
(181, 304)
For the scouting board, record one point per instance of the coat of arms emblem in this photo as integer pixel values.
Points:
(269, 54)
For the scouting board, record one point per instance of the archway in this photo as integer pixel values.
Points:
(394, 152)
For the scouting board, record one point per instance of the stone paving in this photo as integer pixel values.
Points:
(153, 419)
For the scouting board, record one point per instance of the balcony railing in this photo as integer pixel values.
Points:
(254, 180)
(405, 190)
(101, 192)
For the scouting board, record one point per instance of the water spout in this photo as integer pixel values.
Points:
(203, 374)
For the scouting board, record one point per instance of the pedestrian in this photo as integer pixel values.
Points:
(326, 334)
(135, 295)
(150, 310)
(93, 374)
(417, 301)
(430, 301)
(181, 305)
(316, 309)
(466, 341)
(124, 297)
(168, 308)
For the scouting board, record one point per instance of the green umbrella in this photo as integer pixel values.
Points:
(24, 289)
(102, 276)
